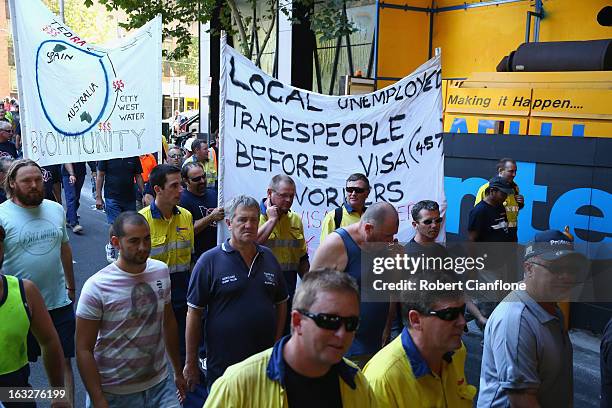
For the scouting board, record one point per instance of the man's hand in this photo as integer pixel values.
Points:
(99, 203)
(218, 214)
(71, 292)
(72, 179)
(272, 212)
(61, 404)
(191, 374)
(181, 387)
(520, 200)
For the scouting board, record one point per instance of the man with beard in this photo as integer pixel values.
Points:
(425, 365)
(357, 191)
(341, 251)
(305, 369)
(202, 204)
(281, 230)
(37, 248)
(172, 237)
(125, 326)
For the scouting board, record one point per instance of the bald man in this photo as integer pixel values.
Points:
(341, 251)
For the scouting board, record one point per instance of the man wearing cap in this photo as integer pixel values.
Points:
(506, 168)
(527, 357)
(488, 221)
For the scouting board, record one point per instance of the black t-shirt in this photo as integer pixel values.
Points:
(606, 366)
(306, 392)
(80, 170)
(119, 177)
(200, 207)
(8, 149)
(490, 222)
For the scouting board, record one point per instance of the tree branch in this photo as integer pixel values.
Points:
(267, 37)
(244, 41)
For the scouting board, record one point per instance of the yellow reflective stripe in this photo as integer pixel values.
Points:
(289, 266)
(179, 267)
(284, 243)
(158, 250)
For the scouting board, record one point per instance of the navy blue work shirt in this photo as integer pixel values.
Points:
(241, 301)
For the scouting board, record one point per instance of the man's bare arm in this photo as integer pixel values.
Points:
(526, 398)
(331, 254)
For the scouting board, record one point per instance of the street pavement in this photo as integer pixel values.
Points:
(89, 257)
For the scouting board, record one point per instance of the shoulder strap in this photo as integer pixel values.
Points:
(338, 217)
(24, 299)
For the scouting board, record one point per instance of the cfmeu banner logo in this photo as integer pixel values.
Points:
(391, 135)
(80, 101)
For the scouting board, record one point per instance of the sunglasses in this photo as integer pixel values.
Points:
(449, 314)
(357, 190)
(197, 179)
(174, 156)
(557, 271)
(429, 222)
(332, 322)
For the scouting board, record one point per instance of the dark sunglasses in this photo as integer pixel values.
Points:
(332, 322)
(449, 314)
(174, 156)
(429, 222)
(357, 190)
(197, 179)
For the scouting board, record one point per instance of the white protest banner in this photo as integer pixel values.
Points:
(393, 136)
(80, 101)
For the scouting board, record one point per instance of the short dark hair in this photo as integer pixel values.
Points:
(423, 205)
(357, 177)
(159, 174)
(126, 217)
(501, 164)
(424, 300)
(188, 166)
(196, 144)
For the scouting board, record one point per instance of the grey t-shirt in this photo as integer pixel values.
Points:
(525, 347)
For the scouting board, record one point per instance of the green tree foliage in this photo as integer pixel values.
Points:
(327, 19)
(93, 23)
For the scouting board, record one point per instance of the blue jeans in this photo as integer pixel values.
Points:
(73, 198)
(114, 207)
(162, 395)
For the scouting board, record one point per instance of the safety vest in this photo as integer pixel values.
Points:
(14, 326)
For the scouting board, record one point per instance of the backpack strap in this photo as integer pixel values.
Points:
(338, 216)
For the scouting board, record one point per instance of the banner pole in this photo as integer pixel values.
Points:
(22, 118)
(222, 229)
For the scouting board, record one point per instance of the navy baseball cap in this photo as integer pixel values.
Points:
(501, 184)
(552, 245)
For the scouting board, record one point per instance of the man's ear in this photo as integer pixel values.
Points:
(269, 192)
(227, 222)
(114, 241)
(296, 323)
(414, 318)
(157, 189)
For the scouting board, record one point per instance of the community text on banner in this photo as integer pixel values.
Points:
(393, 136)
(80, 101)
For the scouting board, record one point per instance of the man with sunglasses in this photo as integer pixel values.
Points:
(342, 251)
(305, 369)
(424, 366)
(281, 230)
(202, 204)
(527, 356)
(357, 191)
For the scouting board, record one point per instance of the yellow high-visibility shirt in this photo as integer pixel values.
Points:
(286, 241)
(171, 240)
(257, 382)
(511, 206)
(328, 224)
(400, 377)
